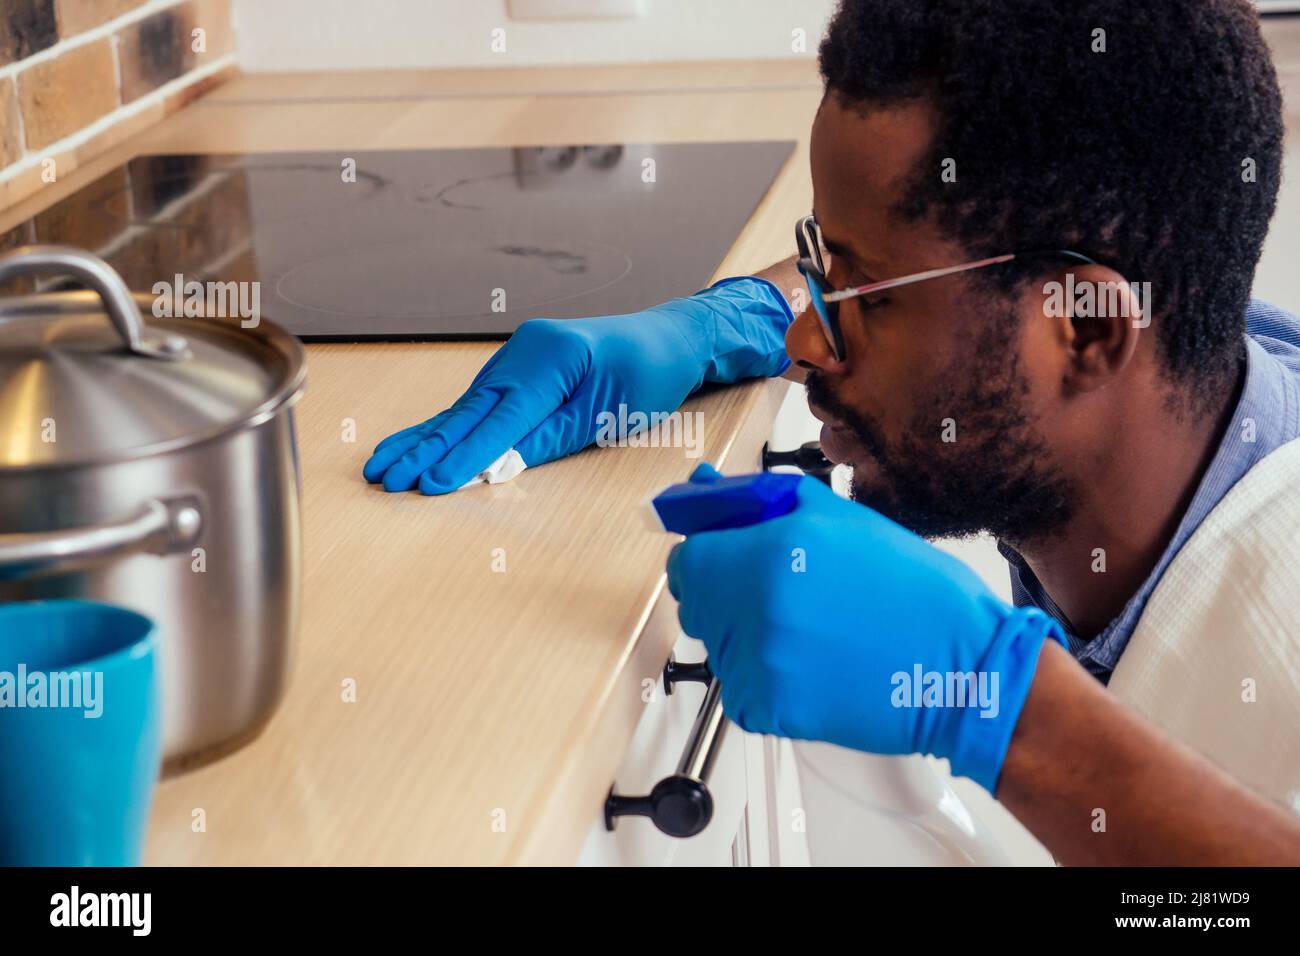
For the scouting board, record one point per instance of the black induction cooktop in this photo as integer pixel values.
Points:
(424, 244)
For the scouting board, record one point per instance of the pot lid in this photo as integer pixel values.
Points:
(92, 376)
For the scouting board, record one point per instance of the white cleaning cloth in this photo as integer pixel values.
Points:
(503, 469)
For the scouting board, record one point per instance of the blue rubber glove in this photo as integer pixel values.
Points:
(542, 391)
(812, 621)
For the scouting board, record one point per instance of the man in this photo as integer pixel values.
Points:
(1075, 196)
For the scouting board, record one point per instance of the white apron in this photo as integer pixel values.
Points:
(1215, 657)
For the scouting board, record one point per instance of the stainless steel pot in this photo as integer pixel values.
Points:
(155, 467)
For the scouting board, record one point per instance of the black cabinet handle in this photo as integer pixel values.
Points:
(676, 671)
(808, 458)
(680, 805)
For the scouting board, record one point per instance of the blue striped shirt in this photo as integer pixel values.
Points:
(1268, 411)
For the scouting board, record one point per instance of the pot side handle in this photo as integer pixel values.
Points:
(158, 526)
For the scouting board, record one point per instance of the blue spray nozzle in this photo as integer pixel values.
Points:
(734, 502)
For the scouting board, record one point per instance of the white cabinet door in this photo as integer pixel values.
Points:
(652, 755)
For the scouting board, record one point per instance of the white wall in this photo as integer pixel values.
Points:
(300, 35)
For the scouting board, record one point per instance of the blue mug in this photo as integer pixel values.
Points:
(80, 733)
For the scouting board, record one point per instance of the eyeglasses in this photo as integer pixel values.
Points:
(826, 298)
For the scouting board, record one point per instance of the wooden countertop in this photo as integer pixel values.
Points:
(491, 709)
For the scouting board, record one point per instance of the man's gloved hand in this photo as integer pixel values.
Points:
(543, 389)
(809, 617)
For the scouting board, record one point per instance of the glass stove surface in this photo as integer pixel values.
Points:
(424, 244)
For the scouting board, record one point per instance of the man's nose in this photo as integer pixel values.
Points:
(807, 345)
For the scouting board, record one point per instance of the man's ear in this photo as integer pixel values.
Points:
(1099, 317)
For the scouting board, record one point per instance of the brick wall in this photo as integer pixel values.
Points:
(77, 76)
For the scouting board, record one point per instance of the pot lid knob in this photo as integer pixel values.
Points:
(97, 275)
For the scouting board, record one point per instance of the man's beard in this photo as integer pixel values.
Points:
(994, 476)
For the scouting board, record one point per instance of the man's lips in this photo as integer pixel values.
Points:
(834, 439)
(840, 444)
(837, 443)
(822, 415)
